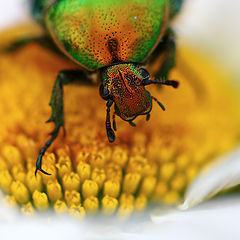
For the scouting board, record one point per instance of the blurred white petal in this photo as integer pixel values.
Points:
(216, 219)
(221, 174)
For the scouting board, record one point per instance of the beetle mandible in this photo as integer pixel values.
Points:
(113, 38)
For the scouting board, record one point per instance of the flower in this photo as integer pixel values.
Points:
(154, 162)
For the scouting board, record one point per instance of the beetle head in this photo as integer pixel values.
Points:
(122, 83)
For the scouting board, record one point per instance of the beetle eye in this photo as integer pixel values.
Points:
(104, 93)
(144, 73)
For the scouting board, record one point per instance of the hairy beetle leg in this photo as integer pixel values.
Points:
(110, 132)
(56, 103)
(114, 122)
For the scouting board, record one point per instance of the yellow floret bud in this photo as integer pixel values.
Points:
(27, 209)
(171, 198)
(167, 170)
(148, 185)
(60, 206)
(63, 152)
(64, 165)
(5, 180)
(3, 164)
(84, 171)
(72, 197)
(91, 204)
(131, 182)
(153, 148)
(137, 164)
(12, 155)
(20, 192)
(182, 161)
(83, 156)
(160, 190)
(140, 202)
(191, 172)
(167, 152)
(33, 182)
(77, 211)
(179, 182)
(125, 210)
(109, 205)
(113, 172)
(40, 200)
(71, 181)
(150, 169)
(120, 156)
(138, 150)
(18, 173)
(126, 199)
(107, 151)
(54, 191)
(89, 188)
(112, 188)
(99, 176)
(98, 159)
(49, 159)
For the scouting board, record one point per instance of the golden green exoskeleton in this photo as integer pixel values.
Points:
(113, 38)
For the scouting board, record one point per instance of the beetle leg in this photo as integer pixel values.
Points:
(148, 117)
(175, 7)
(114, 122)
(110, 132)
(163, 58)
(56, 103)
(132, 124)
(160, 104)
(21, 42)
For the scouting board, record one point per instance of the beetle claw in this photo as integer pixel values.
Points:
(111, 135)
(41, 170)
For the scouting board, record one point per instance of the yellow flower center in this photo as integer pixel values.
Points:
(153, 162)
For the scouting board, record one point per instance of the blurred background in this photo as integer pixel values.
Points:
(212, 26)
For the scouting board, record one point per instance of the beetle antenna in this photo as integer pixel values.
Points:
(172, 83)
(160, 104)
(110, 132)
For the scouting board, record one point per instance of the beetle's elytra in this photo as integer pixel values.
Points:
(113, 38)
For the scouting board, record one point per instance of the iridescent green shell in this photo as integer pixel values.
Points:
(97, 33)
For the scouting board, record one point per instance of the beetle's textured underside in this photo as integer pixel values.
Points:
(97, 33)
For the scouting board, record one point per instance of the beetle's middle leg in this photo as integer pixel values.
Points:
(163, 58)
(56, 103)
(42, 40)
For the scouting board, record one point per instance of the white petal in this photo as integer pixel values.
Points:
(223, 173)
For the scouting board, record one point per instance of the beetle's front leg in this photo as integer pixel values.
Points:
(21, 42)
(56, 103)
(163, 57)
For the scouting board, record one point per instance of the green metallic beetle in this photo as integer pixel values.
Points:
(113, 38)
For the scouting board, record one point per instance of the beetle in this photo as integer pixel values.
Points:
(115, 39)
